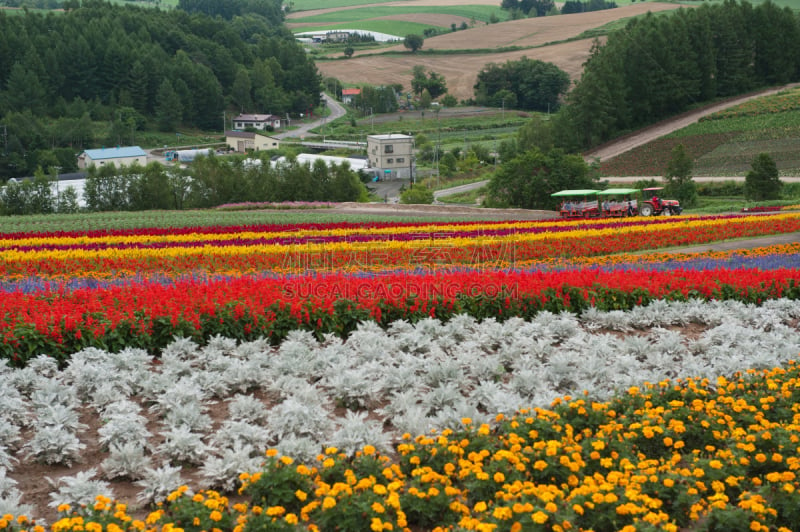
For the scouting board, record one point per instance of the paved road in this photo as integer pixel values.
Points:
(336, 111)
(459, 189)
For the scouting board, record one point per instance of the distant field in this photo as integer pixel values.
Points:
(401, 28)
(468, 51)
(725, 143)
(478, 12)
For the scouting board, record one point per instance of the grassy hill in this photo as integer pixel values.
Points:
(725, 143)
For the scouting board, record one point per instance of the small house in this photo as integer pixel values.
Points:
(244, 121)
(242, 141)
(348, 95)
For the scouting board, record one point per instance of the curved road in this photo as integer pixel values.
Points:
(336, 111)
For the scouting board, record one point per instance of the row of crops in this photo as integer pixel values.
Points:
(464, 375)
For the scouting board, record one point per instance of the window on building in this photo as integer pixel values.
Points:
(389, 161)
(401, 159)
(388, 149)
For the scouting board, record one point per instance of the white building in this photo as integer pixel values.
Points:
(256, 121)
(392, 154)
(124, 156)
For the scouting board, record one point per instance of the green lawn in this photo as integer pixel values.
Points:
(391, 27)
(478, 12)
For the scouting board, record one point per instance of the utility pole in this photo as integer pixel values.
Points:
(5, 139)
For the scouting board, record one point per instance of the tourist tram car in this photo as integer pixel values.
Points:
(614, 202)
(578, 203)
(619, 202)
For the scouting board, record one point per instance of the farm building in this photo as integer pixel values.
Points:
(348, 95)
(393, 154)
(241, 141)
(257, 121)
(124, 156)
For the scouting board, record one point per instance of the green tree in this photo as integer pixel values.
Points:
(417, 195)
(240, 92)
(762, 181)
(169, 108)
(678, 175)
(413, 42)
(348, 51)
(528, 180)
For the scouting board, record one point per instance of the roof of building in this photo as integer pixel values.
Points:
(351, 92)
(256, 118)
(390, 136)
(240, 134)
(114, 153)
(246, 135)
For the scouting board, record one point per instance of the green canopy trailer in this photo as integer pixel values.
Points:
(581, 203)
(619, 202)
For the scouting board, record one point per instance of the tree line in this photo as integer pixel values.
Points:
(138, 67)
(209, 182)
(659, 66)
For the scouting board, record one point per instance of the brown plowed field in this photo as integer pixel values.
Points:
(461, 70)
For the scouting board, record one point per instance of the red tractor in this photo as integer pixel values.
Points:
(652, 205)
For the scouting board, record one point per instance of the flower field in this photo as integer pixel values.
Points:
(404, 376)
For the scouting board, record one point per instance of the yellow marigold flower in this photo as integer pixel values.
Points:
(503, 513)
(755, 525)
(715, 464)
(301, 495)
(303, 470)
(274, 511)
(369, 450)
(551, 507)
(540, 517)
(328, 503)
(63, 508)
(286, 460)
(376, 525)
(668, 482)
(761, 458)
(272, 452)
(240, 508)
(479, 507)
(499, 477)
(291, 519)
(91, 526)
(197, 497)
(378, 507)
(331, 450)
(196, 521)
(215, 516)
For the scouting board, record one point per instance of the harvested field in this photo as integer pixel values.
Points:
(461, 70)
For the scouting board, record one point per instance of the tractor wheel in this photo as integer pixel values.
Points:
(646, 210)
(666, 212)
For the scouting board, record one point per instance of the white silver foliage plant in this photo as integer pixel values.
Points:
(80, 489)
(126, 460)
(157, 483)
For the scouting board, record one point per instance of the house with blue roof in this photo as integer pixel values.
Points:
(119, 156)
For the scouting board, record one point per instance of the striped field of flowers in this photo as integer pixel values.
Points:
(671, 452)
(109, 289)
